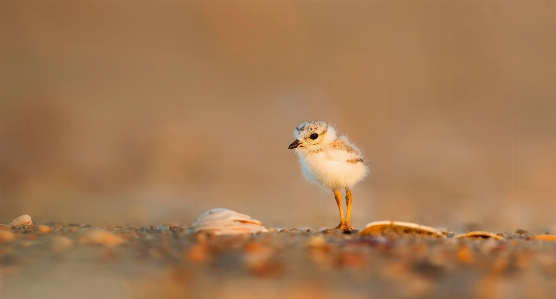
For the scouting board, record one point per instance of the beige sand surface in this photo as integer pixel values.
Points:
(80, 261)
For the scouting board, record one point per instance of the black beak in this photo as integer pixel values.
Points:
(294, 144)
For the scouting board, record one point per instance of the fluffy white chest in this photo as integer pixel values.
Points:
(333, 169)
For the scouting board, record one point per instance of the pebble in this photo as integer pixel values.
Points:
(61, 243)
(316, 241)
(6, 236)
(257, 259)
(198, 253)
(23, 221)
(162, 228)
(464, 255)
(100, 237)
(44, 229)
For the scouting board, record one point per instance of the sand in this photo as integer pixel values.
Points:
(53, 260)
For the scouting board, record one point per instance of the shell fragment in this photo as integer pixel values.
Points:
(222, 221)
(394, 228)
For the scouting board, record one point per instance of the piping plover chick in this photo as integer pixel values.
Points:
(329, 160)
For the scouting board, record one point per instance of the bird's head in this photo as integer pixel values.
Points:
(312, 135)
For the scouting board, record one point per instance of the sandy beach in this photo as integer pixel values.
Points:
(80, 261)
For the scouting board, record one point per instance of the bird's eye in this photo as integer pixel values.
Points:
(314, 136)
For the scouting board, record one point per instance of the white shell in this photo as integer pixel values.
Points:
(22, 221)
(400, 228)
(222, 221)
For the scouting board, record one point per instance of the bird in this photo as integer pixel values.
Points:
(330, 160)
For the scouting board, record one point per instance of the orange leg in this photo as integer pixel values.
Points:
(338, 197)
(348, 212)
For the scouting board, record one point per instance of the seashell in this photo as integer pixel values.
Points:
(545, 237)
(479, 235)
(23, 221)
(381, 228)
(222, 221)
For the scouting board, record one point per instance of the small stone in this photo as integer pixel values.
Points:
(61, 243)
(449, 234)
(198, 253)
(72, 229)
(257, 259)
(23, 221)
(31, 237)
(176, 228)
(464, 255)
(163, 228)
(351, 260)
(100, 237)
(44, 229)
(316, 241)
(6, 236)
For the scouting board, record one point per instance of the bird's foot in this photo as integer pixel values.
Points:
(345, 227)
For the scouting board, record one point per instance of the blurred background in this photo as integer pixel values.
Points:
(141, 113)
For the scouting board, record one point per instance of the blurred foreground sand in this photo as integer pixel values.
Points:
(146, 112)
(76, 261)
